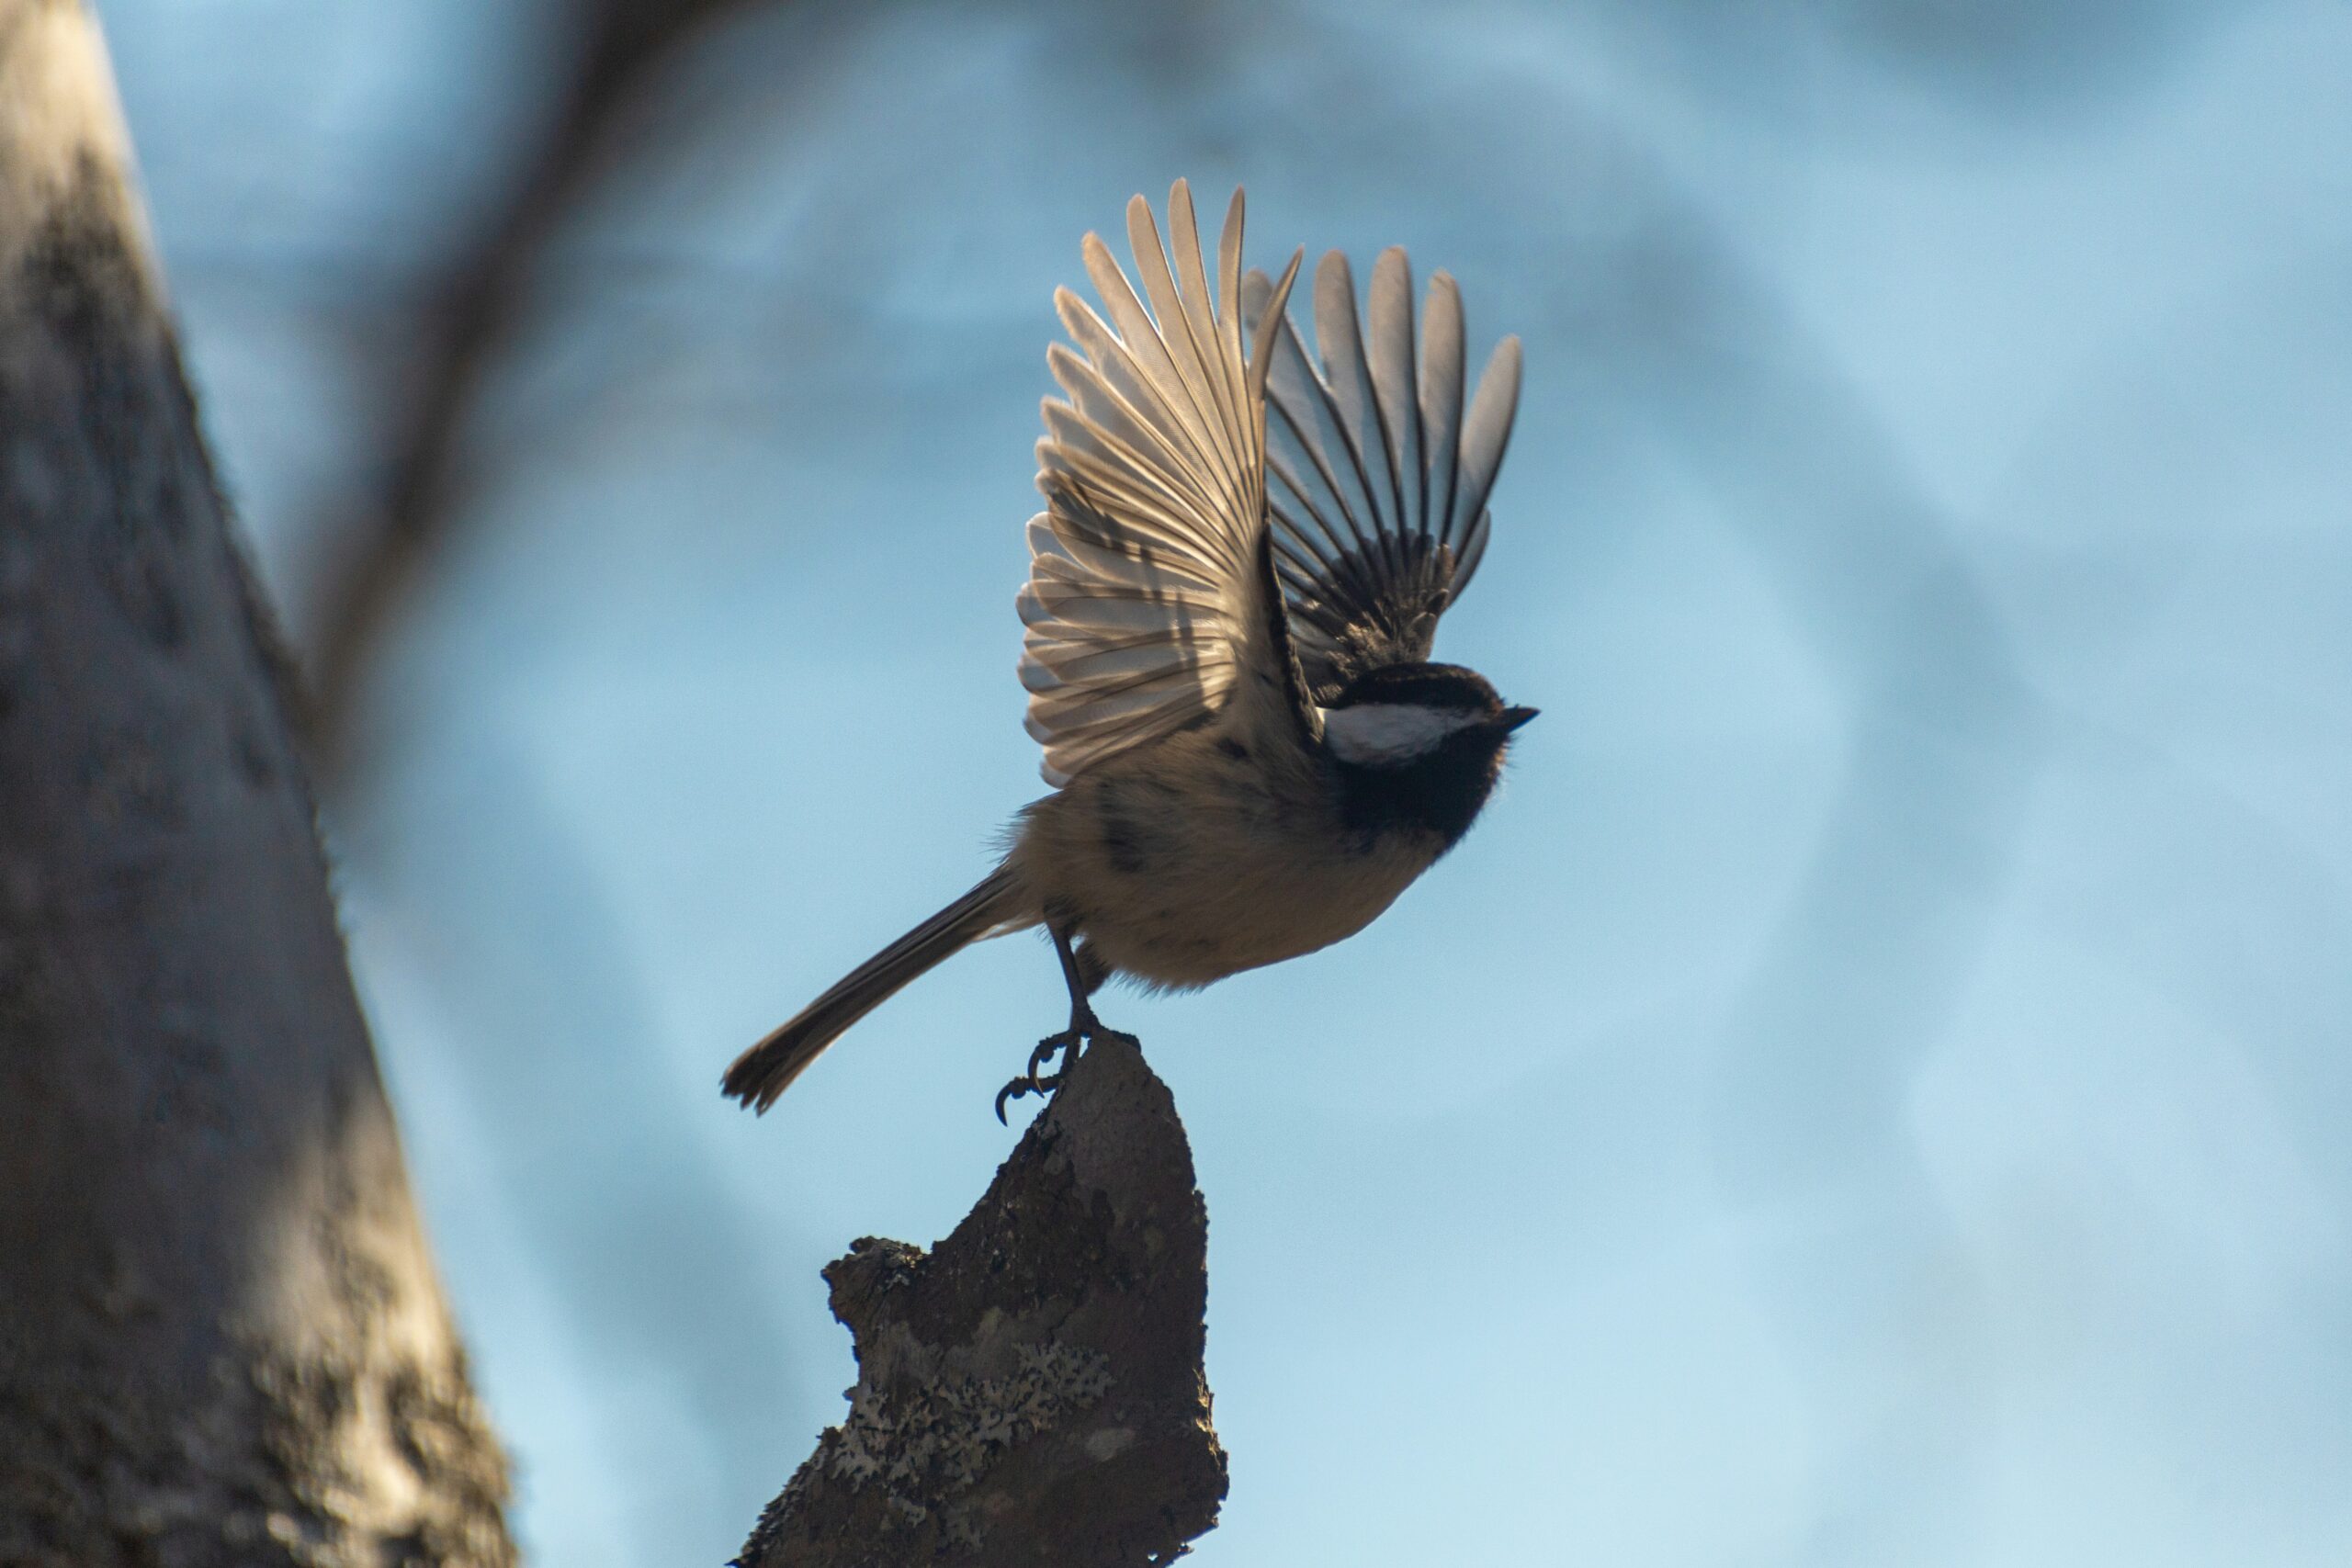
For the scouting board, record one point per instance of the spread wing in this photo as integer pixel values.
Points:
(1152, 602)
(1379, 480)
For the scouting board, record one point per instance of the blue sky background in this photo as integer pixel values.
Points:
(1874, 1088)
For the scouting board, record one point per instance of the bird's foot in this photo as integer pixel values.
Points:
(1065, 1045)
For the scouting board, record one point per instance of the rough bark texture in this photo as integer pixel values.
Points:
(221, 1339)
(1030, 1392)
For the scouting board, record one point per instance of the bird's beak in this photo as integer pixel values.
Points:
(1512, 718)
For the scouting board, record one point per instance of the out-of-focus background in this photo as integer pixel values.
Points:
(1874, 1090)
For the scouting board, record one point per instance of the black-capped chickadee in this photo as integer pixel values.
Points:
(1233, 594)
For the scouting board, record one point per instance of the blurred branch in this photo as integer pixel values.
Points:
(627, 40)
(1031, 1392)
(221, 1338)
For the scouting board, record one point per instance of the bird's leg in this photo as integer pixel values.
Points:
(1083, 1026)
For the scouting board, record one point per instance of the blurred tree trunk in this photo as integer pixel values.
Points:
(221, 1339)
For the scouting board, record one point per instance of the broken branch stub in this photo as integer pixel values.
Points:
(1030, 1391)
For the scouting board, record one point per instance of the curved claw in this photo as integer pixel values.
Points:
(1030, 1082)
(1044, 1053)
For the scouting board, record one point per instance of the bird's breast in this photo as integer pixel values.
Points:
(1204, 865)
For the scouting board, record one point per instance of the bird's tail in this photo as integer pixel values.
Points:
(767, 1069)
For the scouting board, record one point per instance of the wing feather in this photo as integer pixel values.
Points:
(1486, 434)
(1390, 361)
(1347, 388)
(1153, 603)
(1441, 400)
(1305, 452)
(1173, 323)
(1378, 481)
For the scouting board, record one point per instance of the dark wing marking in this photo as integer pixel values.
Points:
(1377, 481)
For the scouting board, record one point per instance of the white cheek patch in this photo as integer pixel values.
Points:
(1377, 734)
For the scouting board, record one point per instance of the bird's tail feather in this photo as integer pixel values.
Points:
(767, 1069)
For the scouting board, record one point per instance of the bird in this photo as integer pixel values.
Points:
(1230, 611)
